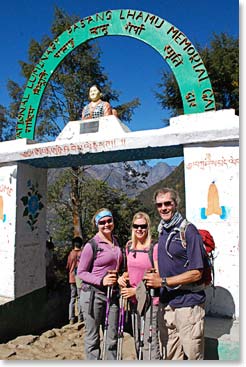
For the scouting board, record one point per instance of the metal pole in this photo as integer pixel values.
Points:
(109, 293)
(152, 292)
(141, 341)
(121, 328)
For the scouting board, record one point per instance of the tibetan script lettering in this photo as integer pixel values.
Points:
(176, 58)
(137, 29)
(64, 48)
(100, 28)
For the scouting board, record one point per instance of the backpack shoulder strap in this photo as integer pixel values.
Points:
(183, 226)
(150, 253)
(95, 250)
(128, 247)
(94, 247)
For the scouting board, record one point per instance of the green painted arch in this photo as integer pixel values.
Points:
(175, 48)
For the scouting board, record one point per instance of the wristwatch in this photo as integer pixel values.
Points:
(164, 282)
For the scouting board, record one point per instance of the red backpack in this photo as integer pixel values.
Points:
(209, 246)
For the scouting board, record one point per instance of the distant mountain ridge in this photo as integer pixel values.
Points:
(115, 175)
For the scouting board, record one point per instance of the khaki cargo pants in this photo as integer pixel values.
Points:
(182, 332)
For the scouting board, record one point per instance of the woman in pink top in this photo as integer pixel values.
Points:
(141, 256)
(98, 273)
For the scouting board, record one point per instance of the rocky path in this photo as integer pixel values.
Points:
(55, 344)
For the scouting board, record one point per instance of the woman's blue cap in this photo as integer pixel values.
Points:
(102, 214)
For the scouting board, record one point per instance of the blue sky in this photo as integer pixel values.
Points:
(133, 67)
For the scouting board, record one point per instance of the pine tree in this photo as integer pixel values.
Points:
(92, 195)
(221, 59)
(65, 95)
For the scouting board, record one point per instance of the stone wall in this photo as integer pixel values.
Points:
(34, 313)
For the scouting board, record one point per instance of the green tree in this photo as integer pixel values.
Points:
(134, 177)
(3, 122)
(66, 93)
(93, 195)
(67, 90)
(221, 59)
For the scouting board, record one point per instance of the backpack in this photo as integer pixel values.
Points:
(149, 251)
(95, 250)
(209, 246)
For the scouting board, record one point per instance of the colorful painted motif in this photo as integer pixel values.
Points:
(33, 205)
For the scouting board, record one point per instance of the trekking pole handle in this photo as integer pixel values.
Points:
(110, 278)
(152, 292)
(113, 271)
(152, 270)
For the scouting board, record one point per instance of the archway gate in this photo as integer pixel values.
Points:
(209, 142)
(165, 38)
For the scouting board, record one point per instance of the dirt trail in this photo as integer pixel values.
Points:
(66, 343)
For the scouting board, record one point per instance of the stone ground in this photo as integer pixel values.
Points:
(66, 343)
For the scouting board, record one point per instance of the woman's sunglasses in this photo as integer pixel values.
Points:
(142, 226)
(103, 222)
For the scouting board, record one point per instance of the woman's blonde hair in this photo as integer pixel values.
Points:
(145, 216)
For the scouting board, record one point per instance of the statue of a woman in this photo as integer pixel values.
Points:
(96, 108)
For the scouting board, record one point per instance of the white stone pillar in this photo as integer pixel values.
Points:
(22, 228)
(212, 203)
(8, 176)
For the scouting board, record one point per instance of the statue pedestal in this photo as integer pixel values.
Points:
(106, 127)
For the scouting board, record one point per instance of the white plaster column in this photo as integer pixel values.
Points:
(212, 203)
(23, 229)
(8, 176)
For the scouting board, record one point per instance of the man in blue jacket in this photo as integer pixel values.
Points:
(182, 296)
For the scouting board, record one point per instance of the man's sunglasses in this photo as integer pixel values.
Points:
(142, 226)
(165, 203)
(103, 222)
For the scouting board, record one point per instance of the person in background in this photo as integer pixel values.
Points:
(75, 289)
(182, 296)
(97, 107)
(98, 271)
(50, 264)
(141, 258)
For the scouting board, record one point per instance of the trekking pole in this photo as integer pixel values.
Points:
(121, 328)
(121, 321)
(133, 319)
(152, 292)
(141, 341)
(109, 294)
(142, 327)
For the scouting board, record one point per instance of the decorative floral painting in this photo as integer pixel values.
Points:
(32, 203)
